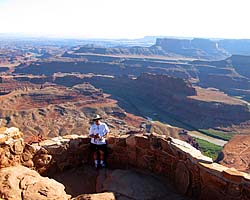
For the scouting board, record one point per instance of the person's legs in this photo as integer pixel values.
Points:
(102, 151)
(101, 157)
(94, 149)
(95, 156)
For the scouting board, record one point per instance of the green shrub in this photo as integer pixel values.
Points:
(217, 134)
(209, 149)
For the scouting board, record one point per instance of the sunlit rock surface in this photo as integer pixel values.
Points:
(149, 159)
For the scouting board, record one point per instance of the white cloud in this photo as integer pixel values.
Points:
(127, 18)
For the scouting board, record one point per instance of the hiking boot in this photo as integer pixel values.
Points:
(103, 165)
(96, 166)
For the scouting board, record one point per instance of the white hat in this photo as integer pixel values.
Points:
(96, 117)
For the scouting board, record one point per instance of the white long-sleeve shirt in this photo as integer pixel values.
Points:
(101, 129)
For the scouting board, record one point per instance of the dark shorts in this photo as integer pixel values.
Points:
(100, 147)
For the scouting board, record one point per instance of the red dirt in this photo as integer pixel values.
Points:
(237, 153)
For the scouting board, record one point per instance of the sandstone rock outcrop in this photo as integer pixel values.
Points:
(192, 173)
(14, 151)
(21, 183)
(11, 147)
(236, 153)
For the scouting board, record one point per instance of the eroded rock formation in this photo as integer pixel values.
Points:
(192, 173)
(236, 153)
(49, 110)
(11, 146)
(178, 102)
(19, 183)
(185, 167)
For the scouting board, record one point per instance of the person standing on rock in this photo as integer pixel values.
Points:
(98, 132)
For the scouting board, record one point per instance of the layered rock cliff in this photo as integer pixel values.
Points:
(168, 99)
(176, 101)
(231, 74)
(196, 48)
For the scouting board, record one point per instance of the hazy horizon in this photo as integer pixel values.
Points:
(73, 37)
(119, 19)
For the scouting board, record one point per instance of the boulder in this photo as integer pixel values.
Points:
(11, 146)
(21, 183)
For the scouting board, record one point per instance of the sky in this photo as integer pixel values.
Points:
(126, 18)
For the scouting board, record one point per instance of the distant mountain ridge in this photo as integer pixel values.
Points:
(197, 48)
